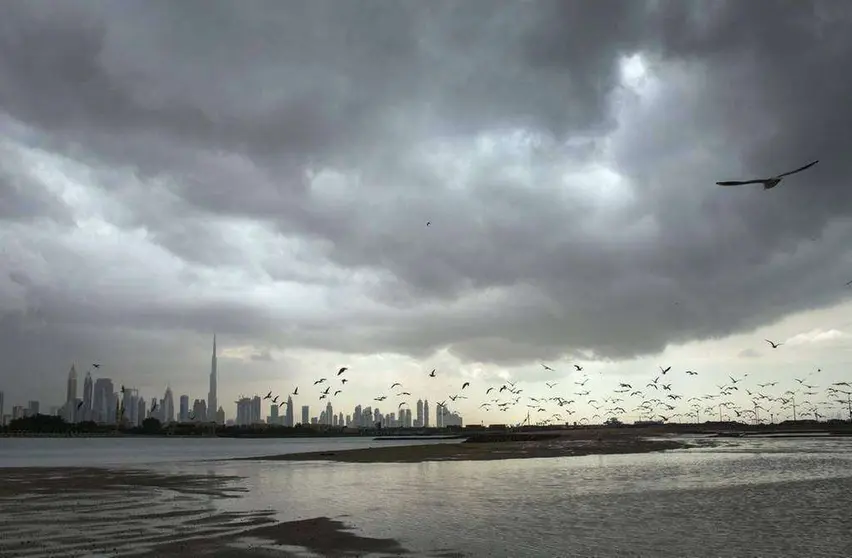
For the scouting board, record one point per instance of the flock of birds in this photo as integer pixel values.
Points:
(653, 399)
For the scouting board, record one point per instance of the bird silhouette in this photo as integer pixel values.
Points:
(768, 183)
(342, 370)
(774, 345)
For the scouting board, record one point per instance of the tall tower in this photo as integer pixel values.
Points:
(211, 395)
(71, 396)
(88, 391)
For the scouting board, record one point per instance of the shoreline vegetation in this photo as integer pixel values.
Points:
(52, 426)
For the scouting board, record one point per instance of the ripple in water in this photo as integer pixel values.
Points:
(743, 498)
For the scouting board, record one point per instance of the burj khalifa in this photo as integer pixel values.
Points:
(212, 403)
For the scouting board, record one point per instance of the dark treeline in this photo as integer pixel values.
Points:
(53, 425)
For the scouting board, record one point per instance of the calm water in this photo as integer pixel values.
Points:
(145, 451)
(744, 498)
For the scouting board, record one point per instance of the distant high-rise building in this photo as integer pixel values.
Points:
(329, 414)
(1, 408)
(71, 396)
(32, 408)
(88, 389)
(129, 405)
(426, 413)
(168, 406)
(289, 419)
(102, 403)
(183, 415)
(452, 418)
(220, 416)
(255, 409)
(273, 414)
(212, 402)
(243, 412)
(199, 410)
(306, 415)
(340, 420)
(141, 411)
(439, 416)
(419, 421)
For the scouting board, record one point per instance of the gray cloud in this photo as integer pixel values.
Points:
(269, 171)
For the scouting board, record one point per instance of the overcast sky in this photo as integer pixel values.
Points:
(265, 171)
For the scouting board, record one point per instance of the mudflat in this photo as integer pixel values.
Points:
(490, 448)
(89, 511)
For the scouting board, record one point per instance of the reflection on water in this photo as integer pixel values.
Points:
(745, 498)
(142, 450)
(767, 497)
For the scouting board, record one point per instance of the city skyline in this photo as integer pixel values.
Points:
(466, 190)
(95, 403)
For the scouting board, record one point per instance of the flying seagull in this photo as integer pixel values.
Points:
(774, 345)
(767, 182)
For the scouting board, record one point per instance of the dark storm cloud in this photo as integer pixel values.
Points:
(347, 124)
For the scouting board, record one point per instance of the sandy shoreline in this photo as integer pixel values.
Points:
(555, 446)
(95, 511)
(117, 512)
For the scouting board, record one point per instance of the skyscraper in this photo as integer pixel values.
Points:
(71, 396)
(419, 421)
(168, 406)
(212, 404)
(426, 414)
(288, 415)
(306, 415)
(102, 402)
(88, 389)
(255, 410)
(183, 416)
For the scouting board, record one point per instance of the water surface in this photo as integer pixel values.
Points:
(150, 450)
(743, 498)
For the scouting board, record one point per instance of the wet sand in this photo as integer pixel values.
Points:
(489, 449)
(84, 511)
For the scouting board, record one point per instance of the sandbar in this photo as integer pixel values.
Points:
(488, 449)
